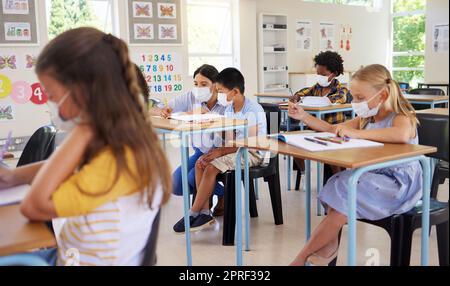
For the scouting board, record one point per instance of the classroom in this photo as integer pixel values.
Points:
(224, 133)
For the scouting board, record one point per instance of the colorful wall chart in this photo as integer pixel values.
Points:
(18, 22)
(163, 72)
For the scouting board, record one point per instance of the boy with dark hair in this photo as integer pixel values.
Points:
(231, 87)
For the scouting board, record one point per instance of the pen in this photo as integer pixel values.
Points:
(316, 141)
(6, 146)
(328, 140)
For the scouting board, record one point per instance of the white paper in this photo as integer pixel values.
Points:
(303, 34)
(315, 101)
(13, 195)
(327, 36)
(298, 140)
(195, 117)
(440, 38)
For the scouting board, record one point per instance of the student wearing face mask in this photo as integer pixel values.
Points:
(329, 65)
(384, 115)
(202, 99)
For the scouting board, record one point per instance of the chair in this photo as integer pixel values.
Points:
(401, 227)
(270, 173)
(150, 248)
(40, 146)
(427, 91)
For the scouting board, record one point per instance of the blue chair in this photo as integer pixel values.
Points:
(22, 260)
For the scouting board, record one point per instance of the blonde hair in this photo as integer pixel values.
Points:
(379, 77)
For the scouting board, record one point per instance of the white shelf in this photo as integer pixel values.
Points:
(276, 52)
(275, 89)
(275, 71)
(274, 30)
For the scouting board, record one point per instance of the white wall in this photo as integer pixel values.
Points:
(436, 64)
(371, 32)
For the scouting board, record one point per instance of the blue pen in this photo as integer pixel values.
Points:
(6, 146)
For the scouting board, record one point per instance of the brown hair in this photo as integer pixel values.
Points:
(98, 67)
(379, 77)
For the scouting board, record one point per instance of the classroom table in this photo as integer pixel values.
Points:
(428, 100)
(435, 111)
(184, 131)
(318, 112)
(19, 235)
(361, 161)
(272, 96)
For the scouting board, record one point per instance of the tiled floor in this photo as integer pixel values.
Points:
(273, 245)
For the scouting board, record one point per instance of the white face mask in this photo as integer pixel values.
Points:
(60, 123)
(222, 99)
(362, 108)
(202, 94)
(323, 81)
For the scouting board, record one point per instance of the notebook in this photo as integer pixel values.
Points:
(196, 117)
(301, 141)
(13, 195)
(315, 101)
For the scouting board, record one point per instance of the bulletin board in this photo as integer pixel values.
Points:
(162, 71)
(154, 22)
(18, 23)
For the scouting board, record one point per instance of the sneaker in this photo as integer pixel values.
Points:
(201, 222)
(179, 226)
(219, 208)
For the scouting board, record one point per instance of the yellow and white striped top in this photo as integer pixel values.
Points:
(109, 228)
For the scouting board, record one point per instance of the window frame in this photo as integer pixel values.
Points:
(234, 14)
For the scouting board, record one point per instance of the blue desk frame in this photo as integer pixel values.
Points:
(184, 137)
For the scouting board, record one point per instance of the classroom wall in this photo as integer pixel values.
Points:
(436, 64)
(371, 32)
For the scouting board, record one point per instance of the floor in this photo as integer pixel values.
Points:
(273, 245)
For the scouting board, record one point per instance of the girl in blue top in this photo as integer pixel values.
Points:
(384, 115)
(202, 99)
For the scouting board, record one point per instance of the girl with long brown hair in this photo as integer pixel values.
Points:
(110, 176)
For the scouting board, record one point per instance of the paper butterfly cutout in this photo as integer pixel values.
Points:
(31, 61)
(167, 32)
(144, 32)
(166, 11)
(143, 10)
(6, 113)
(8, 62)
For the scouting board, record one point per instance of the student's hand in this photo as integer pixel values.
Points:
(297, 112)
(166, 112)
(345, 131)
(211, 156)
(6, 178)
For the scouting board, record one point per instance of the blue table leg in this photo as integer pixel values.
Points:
(184, 175)
(289, 158)
(425, 162)
(238, 182)
(319, 188)
(308, 198)
(247, 195)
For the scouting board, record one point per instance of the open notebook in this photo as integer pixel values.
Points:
(315, 142)
(195, 117)
(13, 195)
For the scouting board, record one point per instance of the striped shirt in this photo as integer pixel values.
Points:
(337, 94)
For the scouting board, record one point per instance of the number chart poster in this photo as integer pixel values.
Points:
(163, 72)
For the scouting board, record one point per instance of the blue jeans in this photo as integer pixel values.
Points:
(48, 255)
(177, 180)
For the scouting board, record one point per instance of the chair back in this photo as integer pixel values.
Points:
(273, 117)
(40, 146)
(427, 91)
(433, 131)
(150, 248)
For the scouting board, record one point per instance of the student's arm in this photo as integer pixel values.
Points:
(38, 204)
(340, 96)
(19, 176)
(298, 113)
(299, 94)
(400, 132)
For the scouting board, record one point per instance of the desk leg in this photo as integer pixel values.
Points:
(289, 158)
(351, 218)
(425, 162)
(319, 188)
(238, 183)
(186, 194)
(247, 195)
(308, 198)
(256, 186)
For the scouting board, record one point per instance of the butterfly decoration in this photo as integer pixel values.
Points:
(142, 10)
(6, 113)
(31, 61)
(166, 11)
(168, 32)
(8, 62)
(144, 32)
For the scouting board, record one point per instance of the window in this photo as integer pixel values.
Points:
(210, 34)
(367, 3)
(409, 40)
(63, 15)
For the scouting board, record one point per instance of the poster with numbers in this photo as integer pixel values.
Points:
(163, 72)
